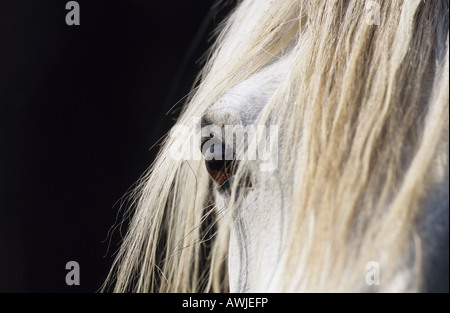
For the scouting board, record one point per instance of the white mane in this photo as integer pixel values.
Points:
(362, 158)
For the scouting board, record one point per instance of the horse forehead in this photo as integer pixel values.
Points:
(242, 104)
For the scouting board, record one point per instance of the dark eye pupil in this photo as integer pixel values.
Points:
(218, 167)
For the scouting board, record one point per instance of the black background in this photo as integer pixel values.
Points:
(80, 107)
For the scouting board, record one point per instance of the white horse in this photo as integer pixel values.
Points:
(356, 194)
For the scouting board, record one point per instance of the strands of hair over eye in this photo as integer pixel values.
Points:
(363, 117)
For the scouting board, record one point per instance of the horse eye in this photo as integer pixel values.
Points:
(216, 164)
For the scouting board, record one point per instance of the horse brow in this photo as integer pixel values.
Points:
(205, 121)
